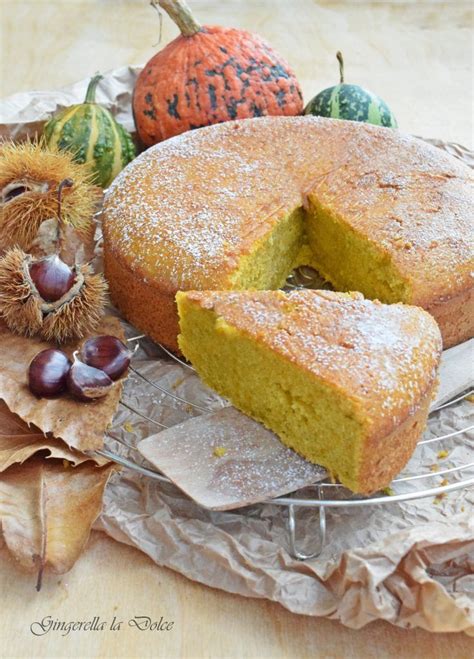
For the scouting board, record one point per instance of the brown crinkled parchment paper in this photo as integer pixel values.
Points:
(409, 563)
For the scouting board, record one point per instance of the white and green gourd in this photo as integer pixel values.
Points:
(352, 102)
(91, 133)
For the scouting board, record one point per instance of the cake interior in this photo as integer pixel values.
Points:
(273, 256)
(317, 237)
(324, 425)
(349, 260)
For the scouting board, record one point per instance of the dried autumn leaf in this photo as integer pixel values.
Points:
(80, 425)
(18, 442)
(77, 246)
(47, 511)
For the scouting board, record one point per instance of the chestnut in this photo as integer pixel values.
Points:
(108, 354)
(52, 277)
(47, 373)
(87, 383)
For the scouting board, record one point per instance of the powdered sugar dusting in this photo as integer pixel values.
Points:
(184, 211)
(195, 217)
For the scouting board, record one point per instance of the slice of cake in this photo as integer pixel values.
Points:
(344, 381)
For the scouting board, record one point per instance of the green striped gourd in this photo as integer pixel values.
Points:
(351, 102)
(91, 133)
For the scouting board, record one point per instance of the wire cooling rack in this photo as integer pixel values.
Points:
(324, 494)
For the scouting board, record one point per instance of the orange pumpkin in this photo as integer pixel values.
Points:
(208, 75)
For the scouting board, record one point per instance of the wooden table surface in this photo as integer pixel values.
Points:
(417, 56)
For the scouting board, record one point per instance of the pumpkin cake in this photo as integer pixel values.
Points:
(344, 381)
(239, 204)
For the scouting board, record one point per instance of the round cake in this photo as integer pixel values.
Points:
(238, 205)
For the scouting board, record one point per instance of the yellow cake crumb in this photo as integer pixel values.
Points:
(128, 427)
(388, 491)
(442, 454)
(219, 451)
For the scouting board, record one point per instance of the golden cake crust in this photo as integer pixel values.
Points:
(380, 464)
(183, 214)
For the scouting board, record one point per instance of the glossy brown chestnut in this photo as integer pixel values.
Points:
(47, 373)
(52, 277)
(87, 383)
(107, 353)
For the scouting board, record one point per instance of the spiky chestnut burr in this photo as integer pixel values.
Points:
(30, 173)
(46, 297)
(74, 315)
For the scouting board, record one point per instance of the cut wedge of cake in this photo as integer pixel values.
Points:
(344, 381)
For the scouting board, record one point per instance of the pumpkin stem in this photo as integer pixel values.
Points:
(341, 66)
(180, 13)
(91, 87)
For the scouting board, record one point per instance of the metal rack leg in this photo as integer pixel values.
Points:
(291, 526)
